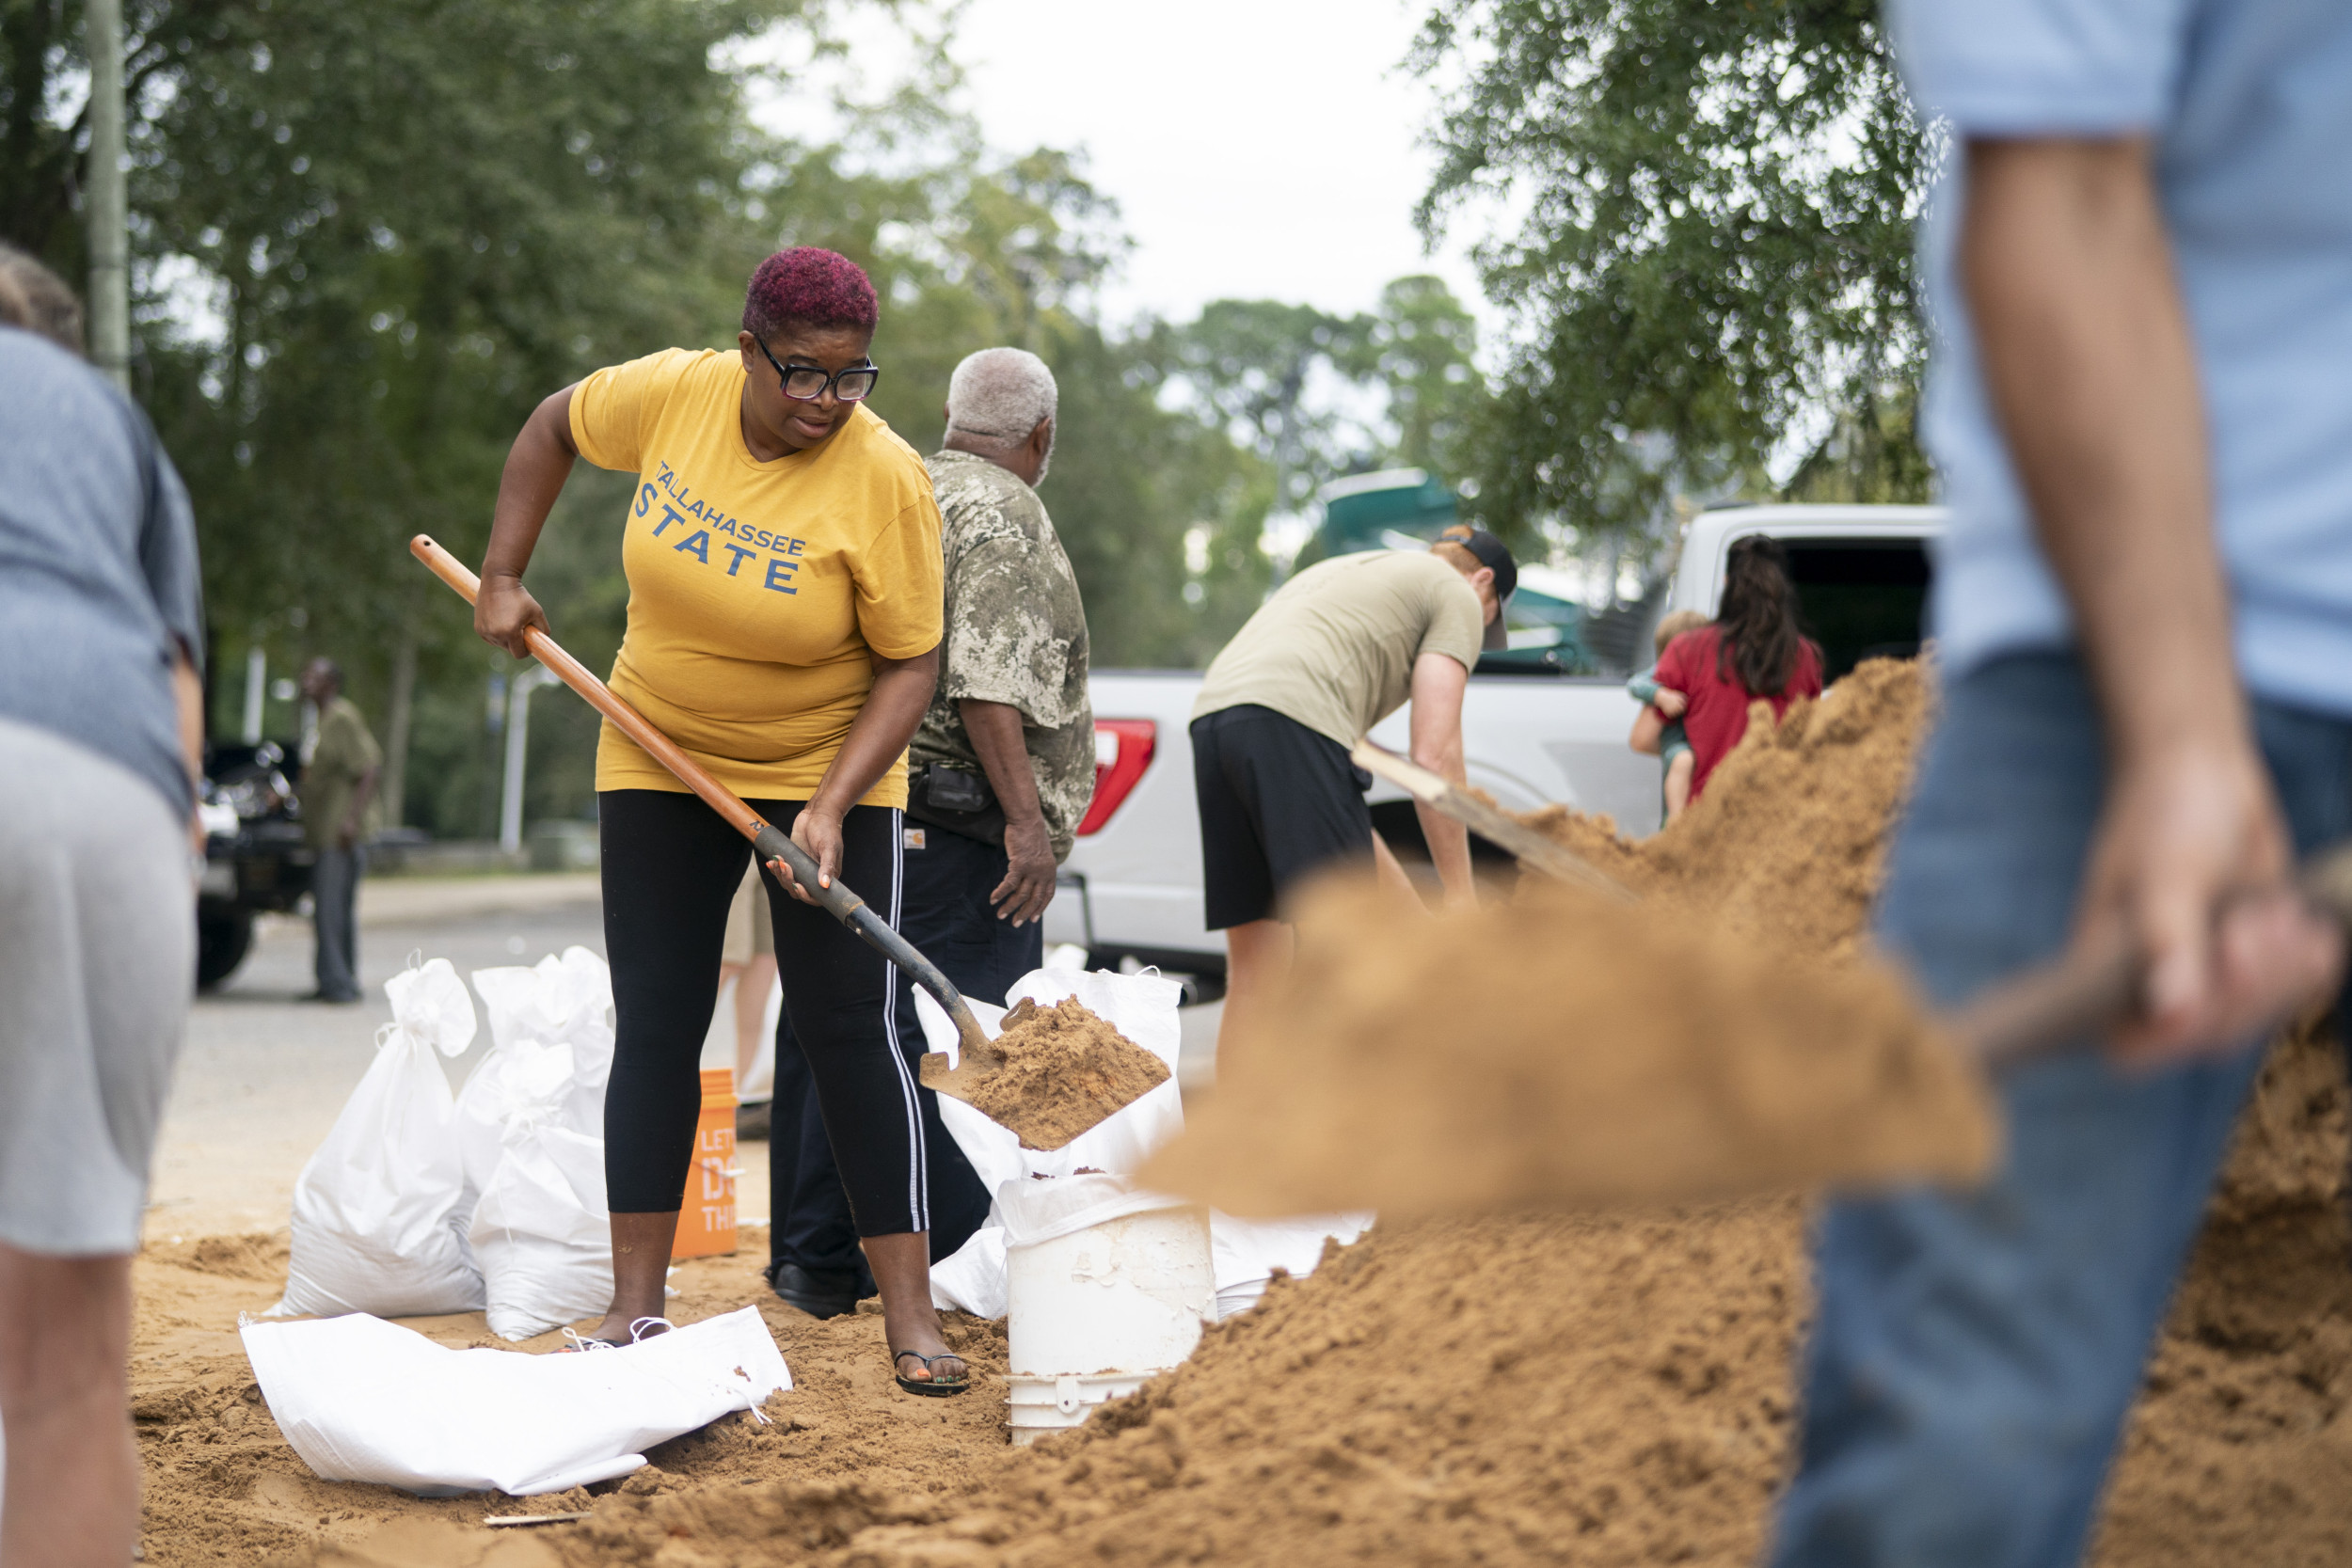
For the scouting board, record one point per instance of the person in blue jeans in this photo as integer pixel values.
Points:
(2143, 609)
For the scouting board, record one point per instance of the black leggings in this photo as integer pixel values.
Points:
(671, 867)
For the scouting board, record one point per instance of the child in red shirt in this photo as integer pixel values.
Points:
(1754, 651)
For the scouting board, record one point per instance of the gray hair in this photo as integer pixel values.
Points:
(999, 394)
(38, 300)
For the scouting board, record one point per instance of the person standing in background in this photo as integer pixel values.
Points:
(1002, 772)
(749, 960)
(102, 735)
(1754, 651)
(338, 782)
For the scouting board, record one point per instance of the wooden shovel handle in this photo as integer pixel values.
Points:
(1490, 823)
(768, 842)
(2090, 991)
(2081, 997)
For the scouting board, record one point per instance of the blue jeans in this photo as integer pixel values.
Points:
(1975, 1353)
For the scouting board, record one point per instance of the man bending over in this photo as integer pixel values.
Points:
(1342, 646)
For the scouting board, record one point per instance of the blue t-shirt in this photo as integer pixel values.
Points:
(98, 572)
(2248, 104)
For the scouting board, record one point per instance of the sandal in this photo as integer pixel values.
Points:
(937, 1387)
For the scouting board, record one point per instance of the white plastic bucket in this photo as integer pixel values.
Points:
(1093, 1314)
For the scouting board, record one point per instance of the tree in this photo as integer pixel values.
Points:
(1418, 347)
(1251, 364)
(1718, 206)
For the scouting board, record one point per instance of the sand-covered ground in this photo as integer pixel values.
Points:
(1597, 1389)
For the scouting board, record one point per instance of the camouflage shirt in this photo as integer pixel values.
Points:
(1016, 634)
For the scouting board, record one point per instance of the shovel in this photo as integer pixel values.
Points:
(2085, 993)
(768, 842)
(1755, 1077)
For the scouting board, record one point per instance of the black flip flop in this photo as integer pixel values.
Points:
(937, 1388)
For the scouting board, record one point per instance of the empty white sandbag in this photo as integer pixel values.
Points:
(361, 1399)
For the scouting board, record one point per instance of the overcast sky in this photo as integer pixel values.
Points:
(1257, 148)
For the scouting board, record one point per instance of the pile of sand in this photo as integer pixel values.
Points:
(1062, 1070)
(1563, 1050)
(1596, 1391)
(1787, 842)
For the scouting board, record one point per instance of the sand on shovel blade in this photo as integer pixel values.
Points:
(1060, 1071)
(1559, 1051)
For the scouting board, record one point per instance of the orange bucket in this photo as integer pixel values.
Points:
(705, 1224)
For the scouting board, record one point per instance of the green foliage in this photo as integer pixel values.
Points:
(1418, 347)
(1872, 453)
(368, 238)
(1296, 386)
(1717, 204)
(1250, 361)
(395, 301)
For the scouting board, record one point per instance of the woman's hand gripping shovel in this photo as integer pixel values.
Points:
(978, 1055)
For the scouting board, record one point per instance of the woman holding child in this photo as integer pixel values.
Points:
(1706, 677)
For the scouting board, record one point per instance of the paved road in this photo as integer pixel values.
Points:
(263, 1074)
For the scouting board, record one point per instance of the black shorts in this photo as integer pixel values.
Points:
(1277, 802)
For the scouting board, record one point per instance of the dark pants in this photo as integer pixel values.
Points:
(1975, 1353)
(334, 899)
(1279, 803)
(671, 869)
(946, 914)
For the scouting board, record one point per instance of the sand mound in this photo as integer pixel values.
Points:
(1063, 1069)
(1787, 841)
(1562, 1050)
(256, 1254)
(1588, 1390)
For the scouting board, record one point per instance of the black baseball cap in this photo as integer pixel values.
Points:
(1492, 553)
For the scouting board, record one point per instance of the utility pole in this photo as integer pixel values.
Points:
(109, 242)
(518, 689)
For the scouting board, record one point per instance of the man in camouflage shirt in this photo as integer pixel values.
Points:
(1002, 771)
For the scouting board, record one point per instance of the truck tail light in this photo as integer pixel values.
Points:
(1122, 749)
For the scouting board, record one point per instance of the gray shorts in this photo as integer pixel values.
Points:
(97, 962)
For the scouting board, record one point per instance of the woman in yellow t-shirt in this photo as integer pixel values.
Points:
(783, 554)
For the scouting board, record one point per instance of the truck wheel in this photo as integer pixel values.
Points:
(222, 939)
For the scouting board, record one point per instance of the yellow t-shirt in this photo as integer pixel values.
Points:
(756, 590)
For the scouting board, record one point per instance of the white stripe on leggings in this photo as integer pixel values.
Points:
(917, 1183)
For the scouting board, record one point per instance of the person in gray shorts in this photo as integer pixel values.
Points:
(100, 734)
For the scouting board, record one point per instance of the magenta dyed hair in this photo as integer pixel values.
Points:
(808, 287)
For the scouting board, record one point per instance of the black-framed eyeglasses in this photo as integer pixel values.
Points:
(808, 383)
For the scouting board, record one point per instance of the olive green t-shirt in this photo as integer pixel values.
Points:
(1334, 648)
(345, 754)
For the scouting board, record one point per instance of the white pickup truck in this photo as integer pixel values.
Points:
(1131, 887)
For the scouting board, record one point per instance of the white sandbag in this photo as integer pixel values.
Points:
(1037, 1194)
(541, 1234)
(522, 1077)
(1140, 1006)
(1036, 1209)
(974, 1279)
(1246, 1252)
(372, 1210)
(361, 1399)
(562, 1001)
